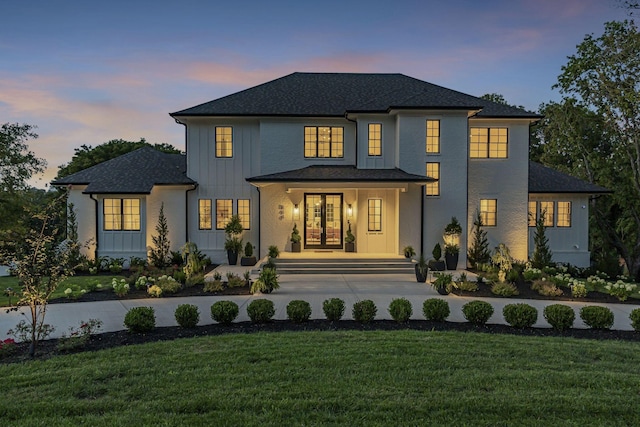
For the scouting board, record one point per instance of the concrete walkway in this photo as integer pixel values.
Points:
(312, 288)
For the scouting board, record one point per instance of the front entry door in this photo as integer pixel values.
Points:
(323, 221)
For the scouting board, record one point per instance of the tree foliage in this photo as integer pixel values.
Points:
(17, 163)
(159, 255)
(594, 133)
(87, 156)
(541, 253)
(40, 264)
(478, 253)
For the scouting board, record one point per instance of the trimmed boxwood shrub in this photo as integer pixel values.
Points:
(187, 315)
(559, 316)
(224, 312)
(333, 309)
(140, 319)
(261, 310)
(400, 310)
(436, 309)
(298, 311)
(477, 312)
(635, 318)
(520, 315)
(364, 311)
(597, 317)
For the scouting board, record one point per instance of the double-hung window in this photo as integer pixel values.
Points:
(375, 214)
(433, 171)
(121, 214)
(433, 137)
(204, 214)
(547, 212)
(244, 213)
(323, 141)
(224, 211)
(488, 143)
(564, 214)
(489, 212)
(224, 141)
(375, 139)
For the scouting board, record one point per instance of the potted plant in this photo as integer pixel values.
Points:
(248, 258)
(442, 283)
(451, 253)
(409, 252)
(422, 268)
(295, 239)
(349, 241)
(233, 244)
(436, 264)
(452, 230)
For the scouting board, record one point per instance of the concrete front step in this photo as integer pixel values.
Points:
(344, 266)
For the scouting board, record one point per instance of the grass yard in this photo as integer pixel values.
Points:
(75, 282)
(350, 378)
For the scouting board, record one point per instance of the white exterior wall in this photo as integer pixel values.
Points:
(409, 212)
(85, 209)
(174, 199)
(568, 244)
(222, 178)
(122, 243)
(506, 180)
(282, 144)
(389, 145)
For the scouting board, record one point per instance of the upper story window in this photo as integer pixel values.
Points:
(224, 141)
(433, 136)
(375, 139)
(323, 141)
(433, 171)
(121, 214)
(489, 212)
(488, 143)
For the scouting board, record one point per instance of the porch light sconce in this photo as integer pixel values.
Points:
(349, 211)
(296, 211)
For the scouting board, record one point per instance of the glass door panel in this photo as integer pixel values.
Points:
(313, 220)
(323, 221)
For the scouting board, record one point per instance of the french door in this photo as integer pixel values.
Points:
(323, 221)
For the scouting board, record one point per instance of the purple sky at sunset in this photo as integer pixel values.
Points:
(87, 72)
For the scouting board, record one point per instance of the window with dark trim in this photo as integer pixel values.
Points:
(323, 141)
(433, 137)
(121, 214)
(375, 139)
(489, 212)
(488, 143)
(433, 171)
(224, 141)
(224, 211)
(204, 214)
(564, 214)
(244, 213)
(375, 214)
(533, 214)
(546, 209)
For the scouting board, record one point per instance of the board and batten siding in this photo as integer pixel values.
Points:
(85, 209)
(122, 243)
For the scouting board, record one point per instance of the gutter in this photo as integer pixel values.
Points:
(259, 223)
(346, 116)
(95, 201)
(186, 212)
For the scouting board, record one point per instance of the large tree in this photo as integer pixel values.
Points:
(17, 163)
(595, 131)
(87, 156)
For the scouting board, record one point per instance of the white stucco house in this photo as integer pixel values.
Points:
(390, 156)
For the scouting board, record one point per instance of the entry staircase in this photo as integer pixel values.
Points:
(344, 266)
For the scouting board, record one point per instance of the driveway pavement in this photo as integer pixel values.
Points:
(312, 288)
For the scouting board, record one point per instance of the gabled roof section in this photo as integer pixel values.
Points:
(546, 180)
(327, 173)
(335, 94)
(132, 173)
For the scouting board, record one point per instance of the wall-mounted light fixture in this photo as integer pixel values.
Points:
(296, 211)
(349, 211)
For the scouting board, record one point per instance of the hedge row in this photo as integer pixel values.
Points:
(559, 316)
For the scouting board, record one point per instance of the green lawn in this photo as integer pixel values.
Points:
(332, 378)
(75, 282)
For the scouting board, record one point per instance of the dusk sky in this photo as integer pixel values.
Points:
(86, 72)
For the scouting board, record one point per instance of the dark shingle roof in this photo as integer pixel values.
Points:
(546, 180)
(326, 173)
(132, 173)
(334, 94)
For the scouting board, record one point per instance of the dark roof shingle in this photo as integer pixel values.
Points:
(327, 173)
(334, 94)
(546, 180)
(132, 173)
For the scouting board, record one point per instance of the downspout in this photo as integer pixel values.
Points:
(346, 116)
(424, 191)
(186, 212)
(95, 201)
(259, 223)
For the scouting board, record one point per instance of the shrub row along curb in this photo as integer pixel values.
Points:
(559, 316)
